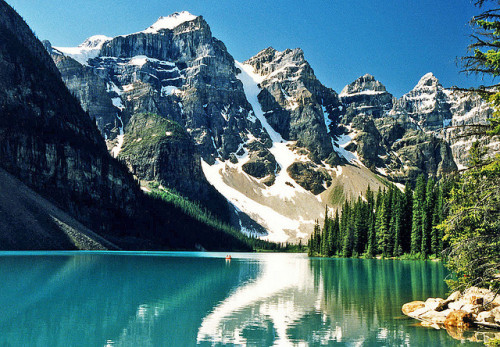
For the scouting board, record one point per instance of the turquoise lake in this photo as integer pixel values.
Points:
(188, 299)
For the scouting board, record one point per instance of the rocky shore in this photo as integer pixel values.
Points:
(473, 315)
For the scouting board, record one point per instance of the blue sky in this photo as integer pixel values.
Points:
(397, 41)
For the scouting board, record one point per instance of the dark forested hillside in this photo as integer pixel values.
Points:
(49, 143)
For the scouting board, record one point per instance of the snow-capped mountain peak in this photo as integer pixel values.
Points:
(95, 42)
(427, 80)
(170, 22)
(366, 84)
(88, 49)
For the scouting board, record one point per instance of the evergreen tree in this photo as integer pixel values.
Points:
(427, 210)
(360, 226)
(406, 218)
(370, 200)
(418, 210)
(384, 218)
(472, 227)
(370, 220)
(347, 248)
(325, 235)
(336, 238)
(344, 223)
(381, 225)
(377, 225)
(371, 246)
(437, 218)
(398, 227)
(347, 230)
(315, 241)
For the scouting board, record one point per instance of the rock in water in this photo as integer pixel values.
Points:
(459, 319)
(412, 306)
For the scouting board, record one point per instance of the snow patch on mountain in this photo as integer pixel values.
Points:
(117, 149)
(426, 80)
(274, 222)
(251, 82)
(138, 60)
(339, 146)
(326, 117)
(169, 90)
(170, 22)
(364, 92)
(88, 49)
(117, 102)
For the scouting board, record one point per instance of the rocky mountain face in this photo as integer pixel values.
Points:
(366, 95)
(416, 134)
(151, 143)
(177, 71)
(90, 89)
(63, 185)
(175, 106)
(294, 102)
(427, 104)
(47, 140)
(460, 135)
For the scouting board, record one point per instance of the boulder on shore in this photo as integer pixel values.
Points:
(476, 306)
(459, 319)
(412, 306)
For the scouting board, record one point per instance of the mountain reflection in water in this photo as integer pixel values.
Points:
(185, 299)
(283, 292)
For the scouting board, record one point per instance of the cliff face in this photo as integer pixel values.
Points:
(91, 90)
(177, 109)
(416, 134)
(160, 150)
(180, 73)
(366, 95)
(427, 104)
(294, 102)
(66, 174)
(47, 140)
(468, 110)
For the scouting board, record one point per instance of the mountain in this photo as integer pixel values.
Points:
(264, 134)
(366, 95)
(47, 140)
(61, 189)
(264, 149)
(427, 104)
(392, 136)
(175, 69)
(422, 132)
(30, 221)
(294, 102)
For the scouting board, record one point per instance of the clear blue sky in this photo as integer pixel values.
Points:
(397, 41)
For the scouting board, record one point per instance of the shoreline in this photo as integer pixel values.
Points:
(473, 315)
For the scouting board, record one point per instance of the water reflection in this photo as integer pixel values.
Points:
(262, 310)
(297, 301)
(110, 300)
(188, 299)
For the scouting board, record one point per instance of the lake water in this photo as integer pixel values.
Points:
(185, 299)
